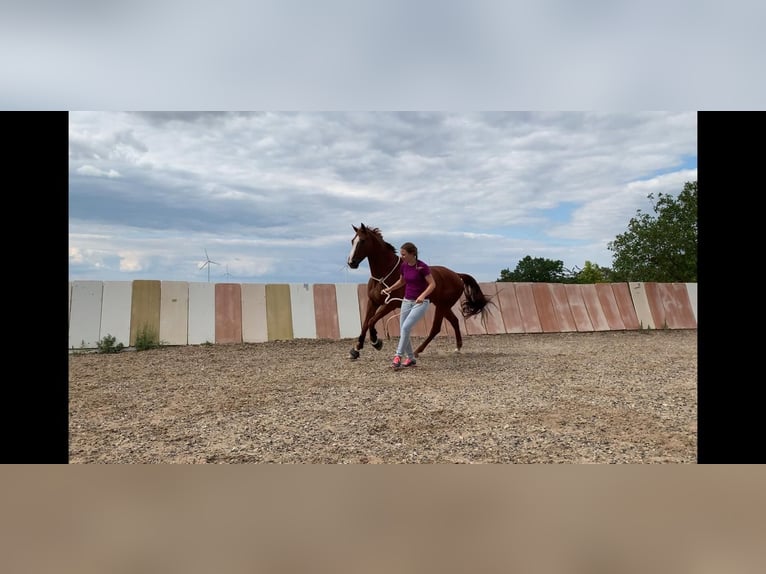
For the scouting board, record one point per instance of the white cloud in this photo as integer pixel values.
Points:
(89, 170)
(274, 195)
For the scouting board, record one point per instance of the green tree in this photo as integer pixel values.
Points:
(593, 273)
(661, 248)
(537, 270)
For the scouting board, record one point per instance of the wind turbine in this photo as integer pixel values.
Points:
(207, 264)
(227, 274)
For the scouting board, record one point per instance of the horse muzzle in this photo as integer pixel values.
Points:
(353, 263)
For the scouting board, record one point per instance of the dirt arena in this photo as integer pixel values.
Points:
(604, 397)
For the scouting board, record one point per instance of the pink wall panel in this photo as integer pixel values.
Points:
(509, 307)
(527, 308)
(388, 326)
(428, 320)
(544, 304)
(447, 330)
(362, 291)
(657, 309)
(609, 306)
(561, 307)
(625, 304)
(578, 307)
(495, 325)
(326, 311)
(593, 305)
(518, 308)
(473, 325)
(678, 310)
(228, 313)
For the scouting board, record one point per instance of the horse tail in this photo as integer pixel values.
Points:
(475, 300)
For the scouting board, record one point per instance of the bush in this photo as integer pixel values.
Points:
(106, 345)
(146, 339)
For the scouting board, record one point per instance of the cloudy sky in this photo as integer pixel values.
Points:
(271, 197)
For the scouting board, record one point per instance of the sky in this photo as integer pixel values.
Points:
(392, 117)
(382, 55)
(271, 197)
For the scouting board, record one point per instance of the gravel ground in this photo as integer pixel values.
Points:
(604, 397)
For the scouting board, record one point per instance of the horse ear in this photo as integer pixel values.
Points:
(354, 226)
(363, 227)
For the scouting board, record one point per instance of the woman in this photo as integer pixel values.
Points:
(419, 283)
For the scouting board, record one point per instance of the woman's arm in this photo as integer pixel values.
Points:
(427, 291)
(393, 287)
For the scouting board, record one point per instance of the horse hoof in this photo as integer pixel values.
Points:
(456, 351)
(354, 354)
(377, 345)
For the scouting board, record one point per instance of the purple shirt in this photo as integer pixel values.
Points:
(415, 278)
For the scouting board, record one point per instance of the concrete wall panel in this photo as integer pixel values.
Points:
(641, 305)
(254, 326)
(349, 322)
(115, 311)
(174, 313)
(303, 311)
(201, 313)
(691, 291)
(231, 313)
(145, 310)
(85, 326)
(279, 315)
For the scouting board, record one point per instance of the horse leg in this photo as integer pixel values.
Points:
(377, 344)
(354, 352)
(453, 320)
(371, 318)
(435, 327)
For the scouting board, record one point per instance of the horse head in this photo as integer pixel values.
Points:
(358, 248)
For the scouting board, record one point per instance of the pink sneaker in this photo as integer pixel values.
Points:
(397, 362)
(409, 362)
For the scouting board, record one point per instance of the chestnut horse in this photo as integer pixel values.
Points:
(384, 263)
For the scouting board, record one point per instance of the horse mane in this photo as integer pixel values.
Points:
(379, 234)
